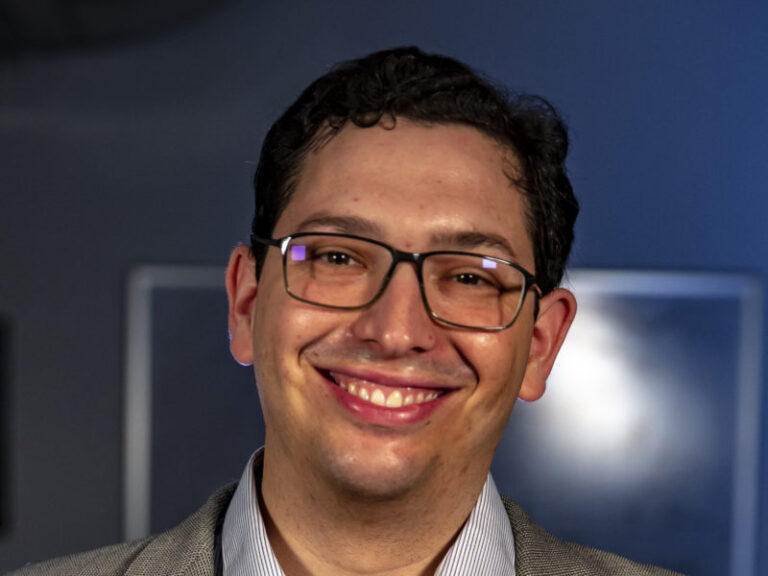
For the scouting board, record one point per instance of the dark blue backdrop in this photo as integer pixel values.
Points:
(143, 153)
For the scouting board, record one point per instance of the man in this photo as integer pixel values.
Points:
(400, 293)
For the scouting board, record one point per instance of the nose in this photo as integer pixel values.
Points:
(397, 324)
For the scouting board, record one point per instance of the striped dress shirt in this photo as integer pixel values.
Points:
(485, 544)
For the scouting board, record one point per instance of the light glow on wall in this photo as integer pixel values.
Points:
(600, 410)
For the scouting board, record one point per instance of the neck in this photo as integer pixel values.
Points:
(316, 528)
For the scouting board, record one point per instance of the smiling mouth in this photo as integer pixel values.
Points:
(383, 396)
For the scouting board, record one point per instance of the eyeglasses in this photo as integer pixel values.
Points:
(348, 272)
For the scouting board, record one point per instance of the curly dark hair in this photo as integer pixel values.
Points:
(406, 82)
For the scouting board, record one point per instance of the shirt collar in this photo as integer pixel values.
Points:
(485, 544)
(245, 547)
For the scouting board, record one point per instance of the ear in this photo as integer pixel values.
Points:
(556, 312)
(241, 292)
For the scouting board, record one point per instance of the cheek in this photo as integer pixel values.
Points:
(489, 408)
(499, 361)
(283, 328)
(272, 338)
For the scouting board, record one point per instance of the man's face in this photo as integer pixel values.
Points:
(417, 189)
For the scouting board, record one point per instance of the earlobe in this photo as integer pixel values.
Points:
(241, 293)
(556, 312)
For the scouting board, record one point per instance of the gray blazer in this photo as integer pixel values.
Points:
(188, 550)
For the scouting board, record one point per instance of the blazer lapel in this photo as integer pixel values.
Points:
(187, 549)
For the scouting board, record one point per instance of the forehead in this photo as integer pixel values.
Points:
(414, 181)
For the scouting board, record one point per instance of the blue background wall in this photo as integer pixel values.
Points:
(143, 153)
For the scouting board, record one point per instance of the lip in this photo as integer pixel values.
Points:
(402, 379)
(380, 415)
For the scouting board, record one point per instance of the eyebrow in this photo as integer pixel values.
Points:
(472, 240)
(344, 224)
(452, 239)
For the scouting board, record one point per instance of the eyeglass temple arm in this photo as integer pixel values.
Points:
(255, 238)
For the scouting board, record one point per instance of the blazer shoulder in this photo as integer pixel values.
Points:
(539, 552)
(107, 561)
(187, 549)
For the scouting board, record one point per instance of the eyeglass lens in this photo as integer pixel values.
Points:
(337, 271)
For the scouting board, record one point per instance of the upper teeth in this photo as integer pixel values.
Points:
(376, 395)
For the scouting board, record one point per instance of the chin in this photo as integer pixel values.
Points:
(382, 475)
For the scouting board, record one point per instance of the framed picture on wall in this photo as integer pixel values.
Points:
(192, 414)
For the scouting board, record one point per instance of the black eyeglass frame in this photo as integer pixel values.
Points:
(417, 259)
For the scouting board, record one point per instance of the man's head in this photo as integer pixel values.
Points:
(417, 153)
(432, 89)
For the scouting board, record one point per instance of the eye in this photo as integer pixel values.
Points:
(332, 257)
(474, 279)
(335, 258)
(470, 279)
